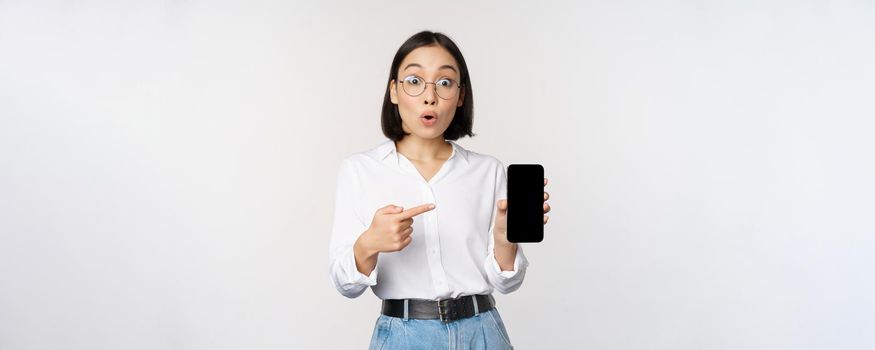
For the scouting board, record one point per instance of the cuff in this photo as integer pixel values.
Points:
(356, 276)
(518, 260)
(370, 280)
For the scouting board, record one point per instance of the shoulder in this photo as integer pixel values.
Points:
(479, 159)
(367, 157)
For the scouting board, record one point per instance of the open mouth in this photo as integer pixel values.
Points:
(429, 115)
(428, 118)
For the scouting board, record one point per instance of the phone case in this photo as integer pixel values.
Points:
(525, 203)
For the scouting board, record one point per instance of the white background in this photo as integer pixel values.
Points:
(167, 168)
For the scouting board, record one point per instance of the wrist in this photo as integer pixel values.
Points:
(503, 243)
(363, 247)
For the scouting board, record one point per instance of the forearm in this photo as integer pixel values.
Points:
(505, 253)
(365, 259)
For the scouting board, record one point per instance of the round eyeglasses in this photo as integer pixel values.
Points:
(445, 88)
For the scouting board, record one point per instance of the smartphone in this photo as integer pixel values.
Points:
(525, 203)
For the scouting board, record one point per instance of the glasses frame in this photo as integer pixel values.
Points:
(458, 86)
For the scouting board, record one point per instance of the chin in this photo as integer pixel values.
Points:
(426, 134)
(429, 135)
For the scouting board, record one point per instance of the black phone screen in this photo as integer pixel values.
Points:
(525, 203)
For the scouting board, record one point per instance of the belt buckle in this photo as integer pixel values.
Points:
(445, 315)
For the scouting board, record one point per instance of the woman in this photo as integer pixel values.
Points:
(421, 220)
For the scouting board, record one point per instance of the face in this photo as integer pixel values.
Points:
(428, 114)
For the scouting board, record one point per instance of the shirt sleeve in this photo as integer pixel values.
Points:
(503, 281)
(346, 228)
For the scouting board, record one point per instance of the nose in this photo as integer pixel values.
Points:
(430, 94)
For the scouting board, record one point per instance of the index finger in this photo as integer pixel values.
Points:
(409, 213)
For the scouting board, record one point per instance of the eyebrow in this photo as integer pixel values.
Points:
(446, 66)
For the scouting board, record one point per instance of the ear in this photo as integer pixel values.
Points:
(393, 94)
(461, 97)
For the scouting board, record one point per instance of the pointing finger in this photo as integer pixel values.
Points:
(390, 209)
(409, 213)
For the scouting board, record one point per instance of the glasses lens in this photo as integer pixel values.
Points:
(446, 88)
(413, 85)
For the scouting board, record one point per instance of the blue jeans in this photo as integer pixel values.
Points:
(480, 332)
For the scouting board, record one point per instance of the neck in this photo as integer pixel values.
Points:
(419, 149)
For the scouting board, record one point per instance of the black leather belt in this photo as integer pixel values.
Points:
(447, 310)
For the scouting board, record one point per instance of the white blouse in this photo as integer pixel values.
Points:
(451, 253)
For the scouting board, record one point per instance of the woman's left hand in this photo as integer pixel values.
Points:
(500, 229)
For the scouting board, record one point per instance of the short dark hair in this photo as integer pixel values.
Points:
(464, 117)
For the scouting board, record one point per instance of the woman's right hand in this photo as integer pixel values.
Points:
(391, 228)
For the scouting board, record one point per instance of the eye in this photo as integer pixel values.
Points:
(445, 82)
(413, 80)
